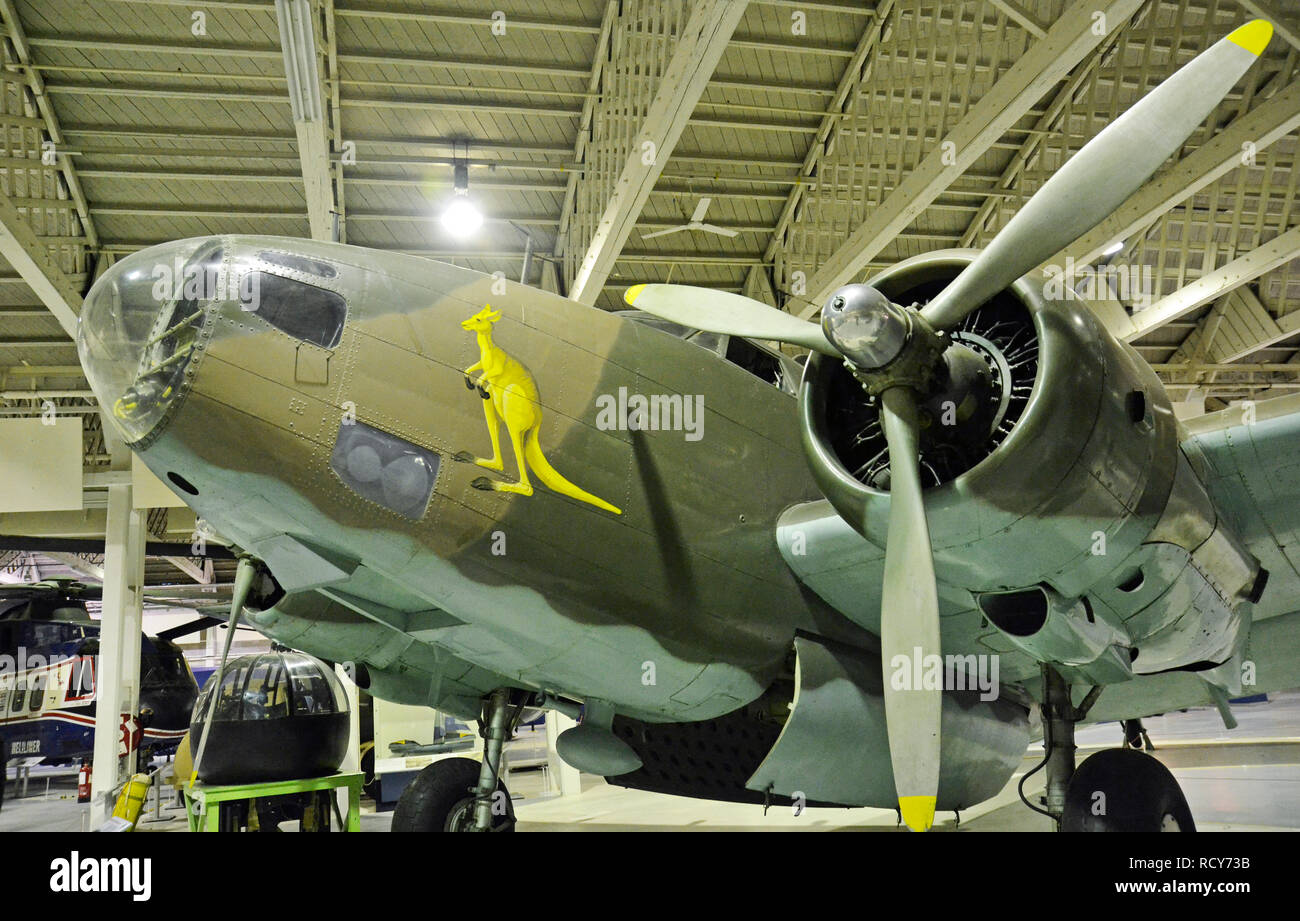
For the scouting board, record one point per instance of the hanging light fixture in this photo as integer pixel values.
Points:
(461, 218)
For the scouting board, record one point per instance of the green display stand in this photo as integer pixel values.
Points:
(201, 800)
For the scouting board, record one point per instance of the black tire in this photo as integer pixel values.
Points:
(1131, 790)
(4, 770)
(441, 798)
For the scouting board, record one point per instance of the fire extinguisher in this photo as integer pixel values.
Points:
(83, 783)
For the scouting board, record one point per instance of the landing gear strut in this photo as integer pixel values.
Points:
(1119, 789)
(460, 794)
(497, 717)
(1059, 717)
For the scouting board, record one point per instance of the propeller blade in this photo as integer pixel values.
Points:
(1101, 176)
(663, 233)
(909, 618)
(724, 312)
(702, 207)
(714, 228)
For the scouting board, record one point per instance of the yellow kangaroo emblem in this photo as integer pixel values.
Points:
(509, 393)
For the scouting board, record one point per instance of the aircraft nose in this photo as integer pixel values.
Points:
(167, 709)
(140, 327)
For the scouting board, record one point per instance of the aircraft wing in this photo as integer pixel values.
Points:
(1248, 456)
(846, 571)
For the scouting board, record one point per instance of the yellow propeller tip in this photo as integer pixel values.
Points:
(632, 293)
(918, 811)
(1253, 36)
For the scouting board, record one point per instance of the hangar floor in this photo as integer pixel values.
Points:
(1244, 780)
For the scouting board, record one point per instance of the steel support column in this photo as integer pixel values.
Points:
(117, 672)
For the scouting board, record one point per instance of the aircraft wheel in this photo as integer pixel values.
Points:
(441, 798)
(1125, 790)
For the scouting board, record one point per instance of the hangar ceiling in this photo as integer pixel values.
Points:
(832, 137)
(172, 581)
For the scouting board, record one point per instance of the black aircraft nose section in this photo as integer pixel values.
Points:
(167, 709)
(167, 687)
(279, 716)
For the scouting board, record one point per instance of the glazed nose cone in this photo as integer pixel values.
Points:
(139, 329)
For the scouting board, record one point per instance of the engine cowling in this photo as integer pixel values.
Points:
(1063, 478)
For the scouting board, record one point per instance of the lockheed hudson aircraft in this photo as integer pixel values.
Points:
(976, 506)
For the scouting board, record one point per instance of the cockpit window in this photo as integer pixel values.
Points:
(757, 362)
(304, 311)
(668, 326)
(298, 263)
(706, 340)
(312, 693)
(161, 669)
(385, 469)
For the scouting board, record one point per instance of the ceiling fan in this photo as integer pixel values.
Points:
(695, 223)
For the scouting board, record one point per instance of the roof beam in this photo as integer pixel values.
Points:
(376, 10)
(31, 259)
(201, 574)
(700, 45)
(334, 88)
(1021, 17)
(848, 9)
(19, 244)
(1071, 38)
(1265, 9)
(584, 124)
(77, 564)
(855, 73)
(35, 342)
(1261, 126)
(1196, 347)
(1246, 368)
(1047, 127)
(298, 29)
(1239, 325)
(41, 102)
(458, 256)
(1258, 331)
(1259, 261)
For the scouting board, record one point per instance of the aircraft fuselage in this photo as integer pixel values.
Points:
(314, 456)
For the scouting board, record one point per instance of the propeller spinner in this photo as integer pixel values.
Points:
(902, 356)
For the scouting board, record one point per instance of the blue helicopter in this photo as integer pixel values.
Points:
(49, 648)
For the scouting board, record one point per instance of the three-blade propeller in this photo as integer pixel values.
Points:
(1083, 192)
